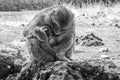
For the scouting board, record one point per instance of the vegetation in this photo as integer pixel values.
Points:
(46, 3)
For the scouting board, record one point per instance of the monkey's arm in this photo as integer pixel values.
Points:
(66, 43)
(41, 35)
(58, 39)
(64, 49)
(67, 33)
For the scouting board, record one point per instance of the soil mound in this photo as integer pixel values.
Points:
(89, 40)
(99, 69)
(87, 70)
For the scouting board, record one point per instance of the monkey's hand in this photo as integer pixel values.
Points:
(39, 33)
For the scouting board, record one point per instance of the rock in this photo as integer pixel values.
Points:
(77, 40)
(7, 66)
(117, 25)
(60, 70)
(89, 40)
(11, 60)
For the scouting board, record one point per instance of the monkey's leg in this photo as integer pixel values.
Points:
(37, 51)
(66, 48)
(71, 50)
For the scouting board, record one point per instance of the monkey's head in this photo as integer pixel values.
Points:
(62, 19)
(58, 18)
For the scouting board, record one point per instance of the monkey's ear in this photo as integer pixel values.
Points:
(56, 25)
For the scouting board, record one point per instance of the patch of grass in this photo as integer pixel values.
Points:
(47, 3)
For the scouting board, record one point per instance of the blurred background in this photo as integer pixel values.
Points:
(19, 5)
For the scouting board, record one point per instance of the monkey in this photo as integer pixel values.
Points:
(55, 42)
(59, 20)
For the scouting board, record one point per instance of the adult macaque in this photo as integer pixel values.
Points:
(58, 38)
(50, 36)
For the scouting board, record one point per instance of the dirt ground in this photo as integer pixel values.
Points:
(103, 21)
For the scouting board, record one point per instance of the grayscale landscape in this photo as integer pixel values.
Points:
(97, 47)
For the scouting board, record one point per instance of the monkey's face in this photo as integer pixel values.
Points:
(62, 19)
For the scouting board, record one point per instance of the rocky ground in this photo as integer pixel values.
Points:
(97, 53)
